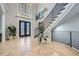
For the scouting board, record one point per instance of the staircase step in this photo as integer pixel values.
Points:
(56, 17)
(49, 25)
(51, 22)
(59, 13)
(65, 4)
(62, 9)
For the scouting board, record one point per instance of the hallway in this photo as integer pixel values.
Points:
(26, 46)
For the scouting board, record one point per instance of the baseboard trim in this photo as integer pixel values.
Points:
(68, 46)
(75, 49)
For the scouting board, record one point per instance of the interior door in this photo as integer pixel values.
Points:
(24, 28)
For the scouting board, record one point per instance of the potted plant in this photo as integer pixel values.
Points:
(40, 30)
(11, 31)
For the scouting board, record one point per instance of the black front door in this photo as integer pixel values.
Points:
(24, 28)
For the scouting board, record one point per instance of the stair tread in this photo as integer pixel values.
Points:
(51, 22)
(56, 17)
(49, 25)
(65, 4)
(59, 13)
(62, 9)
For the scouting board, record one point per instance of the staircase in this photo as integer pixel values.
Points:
(59, 11)
(57, 14)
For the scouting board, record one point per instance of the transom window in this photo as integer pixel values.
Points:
(24, 8)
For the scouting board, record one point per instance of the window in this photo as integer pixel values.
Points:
(24, 8)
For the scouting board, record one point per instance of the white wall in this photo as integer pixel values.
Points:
(11, 18)
(0, 23)
(70, 24)
(61, 36)
(34, 22)
(11, 15)
(41, 6)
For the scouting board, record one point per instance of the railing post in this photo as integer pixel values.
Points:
(70, 39)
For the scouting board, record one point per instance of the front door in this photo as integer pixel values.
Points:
(24, 28)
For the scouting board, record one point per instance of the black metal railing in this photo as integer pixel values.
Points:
(70, 38)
